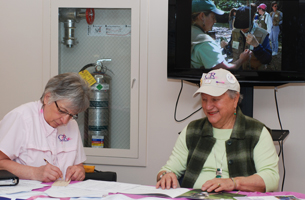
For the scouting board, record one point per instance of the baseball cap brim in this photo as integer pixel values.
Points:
(217, 11)
(210, 90)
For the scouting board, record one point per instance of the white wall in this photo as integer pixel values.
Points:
(21, 48)
(21, 53)
(291, 106)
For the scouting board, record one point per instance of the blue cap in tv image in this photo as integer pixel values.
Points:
(205, 5)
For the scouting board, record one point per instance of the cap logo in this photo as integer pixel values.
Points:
(231, 78)
(207, 81)
(210, 75)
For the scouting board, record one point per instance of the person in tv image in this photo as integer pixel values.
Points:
(205, 52)
(41, 140)
(247, 36)
(224, 151)
(264, 20)
(277, 20)
(232, 18)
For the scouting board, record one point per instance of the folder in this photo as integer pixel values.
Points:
(8, 179)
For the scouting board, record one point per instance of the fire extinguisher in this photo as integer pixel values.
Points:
(97, 116)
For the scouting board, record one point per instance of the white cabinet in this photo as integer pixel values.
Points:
(119, 33)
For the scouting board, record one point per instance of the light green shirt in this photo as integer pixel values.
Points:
(205, 51)
(264, 155)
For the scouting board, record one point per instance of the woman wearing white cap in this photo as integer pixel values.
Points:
(205, 52)
(224, 151)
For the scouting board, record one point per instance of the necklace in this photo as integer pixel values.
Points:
(219, 170)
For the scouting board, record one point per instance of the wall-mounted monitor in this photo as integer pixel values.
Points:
(286, 67)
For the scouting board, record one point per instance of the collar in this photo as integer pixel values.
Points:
(200, 28)
(45, 126)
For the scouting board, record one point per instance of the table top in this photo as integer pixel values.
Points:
(134, 196)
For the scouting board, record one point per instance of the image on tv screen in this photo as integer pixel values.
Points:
(243, 35)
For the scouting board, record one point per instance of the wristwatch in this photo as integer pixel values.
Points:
(159, 178)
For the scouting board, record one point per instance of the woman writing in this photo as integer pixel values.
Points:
(224, 151)
(205, 52)
(41, 140)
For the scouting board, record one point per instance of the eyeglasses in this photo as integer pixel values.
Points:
(63, 112)
(275, 6)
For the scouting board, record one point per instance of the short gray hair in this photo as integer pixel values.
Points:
(71, 87)
(232, 94)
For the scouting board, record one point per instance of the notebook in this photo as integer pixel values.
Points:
(8, 179)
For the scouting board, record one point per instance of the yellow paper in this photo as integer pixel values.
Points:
(85, 74)
(61, 183)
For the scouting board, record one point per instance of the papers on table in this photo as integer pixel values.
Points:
(24, 185)
(141, 189)
(22, 195)
(116, 197)
(70, 191)
(92, 188)
(95, 190)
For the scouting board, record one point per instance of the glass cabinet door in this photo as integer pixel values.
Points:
(100, 44)
(102, 38)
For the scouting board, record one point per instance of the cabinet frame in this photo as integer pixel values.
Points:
(136, 155)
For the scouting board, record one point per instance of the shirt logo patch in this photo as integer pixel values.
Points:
(63, 138)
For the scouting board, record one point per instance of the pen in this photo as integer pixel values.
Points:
(46, 161)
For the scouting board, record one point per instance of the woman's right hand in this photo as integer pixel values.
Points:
(48, 173)
(223, 44)
(244, 56)
(169, 180)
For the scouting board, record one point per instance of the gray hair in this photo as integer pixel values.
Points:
(70, 87)
(232, 94)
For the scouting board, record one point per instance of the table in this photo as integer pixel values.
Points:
(133, 196)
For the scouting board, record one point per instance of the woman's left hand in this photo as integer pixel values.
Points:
(75, 173)
(218, 184)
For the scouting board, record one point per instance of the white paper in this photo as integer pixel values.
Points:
(152, 190)
(109, 30)
(108, 186)
(127, 188)
(68, 191)
(23, 186)
(22, 195)
(93, 188)
(45, 198)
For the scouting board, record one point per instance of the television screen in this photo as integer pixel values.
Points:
(286, 61)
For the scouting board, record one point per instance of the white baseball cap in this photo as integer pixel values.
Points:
(217, 82)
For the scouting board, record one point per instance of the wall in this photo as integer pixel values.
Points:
(21, 53)
(21, 48)
(291, 106)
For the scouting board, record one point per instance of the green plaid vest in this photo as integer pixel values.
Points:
(239, 147)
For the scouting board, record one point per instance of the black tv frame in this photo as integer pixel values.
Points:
(293, 55)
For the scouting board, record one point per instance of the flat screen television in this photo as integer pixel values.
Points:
(286, 67)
